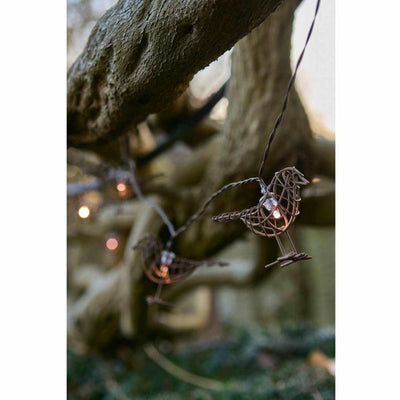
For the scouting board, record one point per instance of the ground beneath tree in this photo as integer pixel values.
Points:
(251, 363)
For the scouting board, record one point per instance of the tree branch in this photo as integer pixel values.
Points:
(238, 278)
(183, 128)
(142, 54)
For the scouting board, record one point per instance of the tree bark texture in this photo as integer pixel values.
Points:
(142, 54)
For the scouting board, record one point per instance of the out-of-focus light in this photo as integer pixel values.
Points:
(111, 243)
(92, 199)
(164, 268)
(315, 180)
(121, 187)
(84, 212)
(164, 271)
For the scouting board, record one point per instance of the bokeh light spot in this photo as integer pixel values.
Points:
(84, 212)
(111, 243)
(121, 187)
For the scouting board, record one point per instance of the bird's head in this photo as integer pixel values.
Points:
(287, 177)
(298, 177)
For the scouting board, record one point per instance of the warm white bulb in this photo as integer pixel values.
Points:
(163, 271)
(276, 214)
(84, 212)
(121, 187)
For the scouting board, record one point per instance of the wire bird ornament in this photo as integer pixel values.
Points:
(164, 267)
(159, 263)
(276, 210)
(278, 206)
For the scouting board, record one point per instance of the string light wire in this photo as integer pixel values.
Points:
(124, 144)
(286, 98)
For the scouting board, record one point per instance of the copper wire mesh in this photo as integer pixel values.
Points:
(277, 208)
(170, 269)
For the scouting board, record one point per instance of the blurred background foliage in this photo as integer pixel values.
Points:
(252, 363)
(256, 340)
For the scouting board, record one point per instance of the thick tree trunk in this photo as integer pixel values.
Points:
(142, 54)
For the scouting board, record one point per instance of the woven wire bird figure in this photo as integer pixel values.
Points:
(276, 210)
(164, 267)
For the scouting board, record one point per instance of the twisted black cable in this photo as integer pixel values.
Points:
(285, 100)
(201, 211)
(124, 141)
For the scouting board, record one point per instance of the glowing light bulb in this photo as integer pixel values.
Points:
(272, 205)
(111, 243)
(163, 271)
(121, 187)
(276, 214)
(84, 212)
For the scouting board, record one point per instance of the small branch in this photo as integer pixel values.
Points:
(89, 162)
(111, 384)
(189, 171)
(184, 128)
(266, 251)
(180, 373)
(221, 278)
(113, 175)
(75, 188)
(124, 140)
